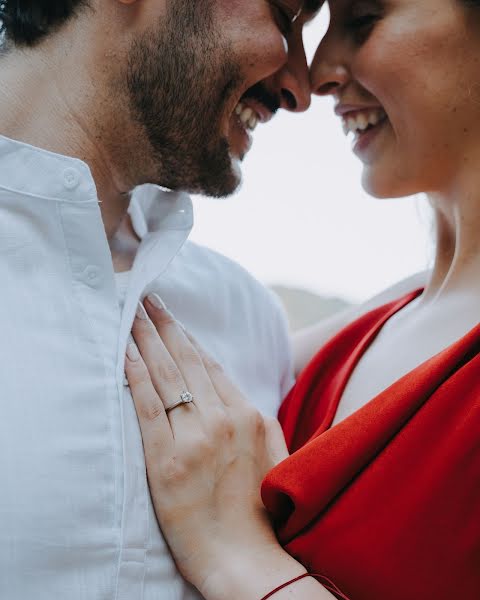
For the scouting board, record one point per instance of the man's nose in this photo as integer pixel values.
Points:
(295, 94)
(293, 83)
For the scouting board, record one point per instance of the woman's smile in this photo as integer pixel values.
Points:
(416, 61)
(363, 122)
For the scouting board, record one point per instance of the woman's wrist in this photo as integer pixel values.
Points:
(250, 575)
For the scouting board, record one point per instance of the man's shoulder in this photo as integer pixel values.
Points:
(212, 259)
(223, 272)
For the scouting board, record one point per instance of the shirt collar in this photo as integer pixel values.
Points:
(38, 173)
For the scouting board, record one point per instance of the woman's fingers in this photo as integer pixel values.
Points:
(165, 375)
(276, 444)
(225, 389)
(155, 427)
(183, 353)
(249, 423)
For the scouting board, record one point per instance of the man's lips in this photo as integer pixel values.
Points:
(261, 111)
(257, 105)
(261, 101)
(250, 112)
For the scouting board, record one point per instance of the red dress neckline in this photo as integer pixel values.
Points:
(372, 323)
(385, 504)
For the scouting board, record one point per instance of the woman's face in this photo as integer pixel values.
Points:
(405, 75)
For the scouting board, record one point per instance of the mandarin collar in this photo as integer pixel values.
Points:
(38, 173)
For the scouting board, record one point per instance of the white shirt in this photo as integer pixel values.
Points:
(76, 519)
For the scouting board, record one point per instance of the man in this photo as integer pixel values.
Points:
(101, 102)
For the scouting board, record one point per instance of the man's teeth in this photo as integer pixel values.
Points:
(362, 120)
(246, 116)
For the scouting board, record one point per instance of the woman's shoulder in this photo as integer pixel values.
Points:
(307, 342)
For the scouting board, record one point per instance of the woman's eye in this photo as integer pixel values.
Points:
(361, 21)
(361, 25)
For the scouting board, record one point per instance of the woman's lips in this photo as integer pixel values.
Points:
(363, 141)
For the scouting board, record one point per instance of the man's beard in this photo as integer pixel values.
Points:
(180, 77)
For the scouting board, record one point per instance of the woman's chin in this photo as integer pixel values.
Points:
(374, 185)
(379, 184)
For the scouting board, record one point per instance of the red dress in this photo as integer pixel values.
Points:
(386, 504)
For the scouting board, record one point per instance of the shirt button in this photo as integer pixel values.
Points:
(92, 276)
(71, 178)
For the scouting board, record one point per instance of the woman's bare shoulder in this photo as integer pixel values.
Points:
(307, 342)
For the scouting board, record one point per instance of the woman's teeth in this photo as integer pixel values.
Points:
(363, 120)
(247, 116)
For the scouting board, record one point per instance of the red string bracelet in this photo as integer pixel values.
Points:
(327, 584)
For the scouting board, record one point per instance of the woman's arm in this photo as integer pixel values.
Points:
(205, 462)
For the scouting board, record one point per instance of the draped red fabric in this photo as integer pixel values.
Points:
(386, 504)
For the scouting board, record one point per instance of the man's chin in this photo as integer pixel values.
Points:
(221, 175)
(228, 184)
(216, 173)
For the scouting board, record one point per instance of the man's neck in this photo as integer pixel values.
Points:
(41, 106)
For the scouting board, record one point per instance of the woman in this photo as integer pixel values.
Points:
(380, 497)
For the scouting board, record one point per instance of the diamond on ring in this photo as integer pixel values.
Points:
(186, 397)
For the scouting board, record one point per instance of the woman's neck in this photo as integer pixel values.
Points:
(456, 268)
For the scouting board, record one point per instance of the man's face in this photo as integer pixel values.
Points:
(202, 76)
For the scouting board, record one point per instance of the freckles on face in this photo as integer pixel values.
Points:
(421, 64)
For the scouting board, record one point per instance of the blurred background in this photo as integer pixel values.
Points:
(301, 222)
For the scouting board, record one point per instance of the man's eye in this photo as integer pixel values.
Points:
(283, 15)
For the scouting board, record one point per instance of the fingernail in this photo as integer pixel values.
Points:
(132, 352)
(141, 313)
(157, 301)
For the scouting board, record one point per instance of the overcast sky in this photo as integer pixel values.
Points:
(301, 217)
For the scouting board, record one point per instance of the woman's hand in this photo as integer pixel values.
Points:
(205, 459)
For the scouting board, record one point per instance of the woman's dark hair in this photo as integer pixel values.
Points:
(25, 22)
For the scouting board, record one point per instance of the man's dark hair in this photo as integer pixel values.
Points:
(26, 22)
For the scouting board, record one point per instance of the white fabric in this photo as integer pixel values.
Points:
(76, 520)
(121, 281)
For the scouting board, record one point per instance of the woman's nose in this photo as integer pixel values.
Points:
(327, 79)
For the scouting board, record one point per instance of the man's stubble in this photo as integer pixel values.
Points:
(180, 76)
